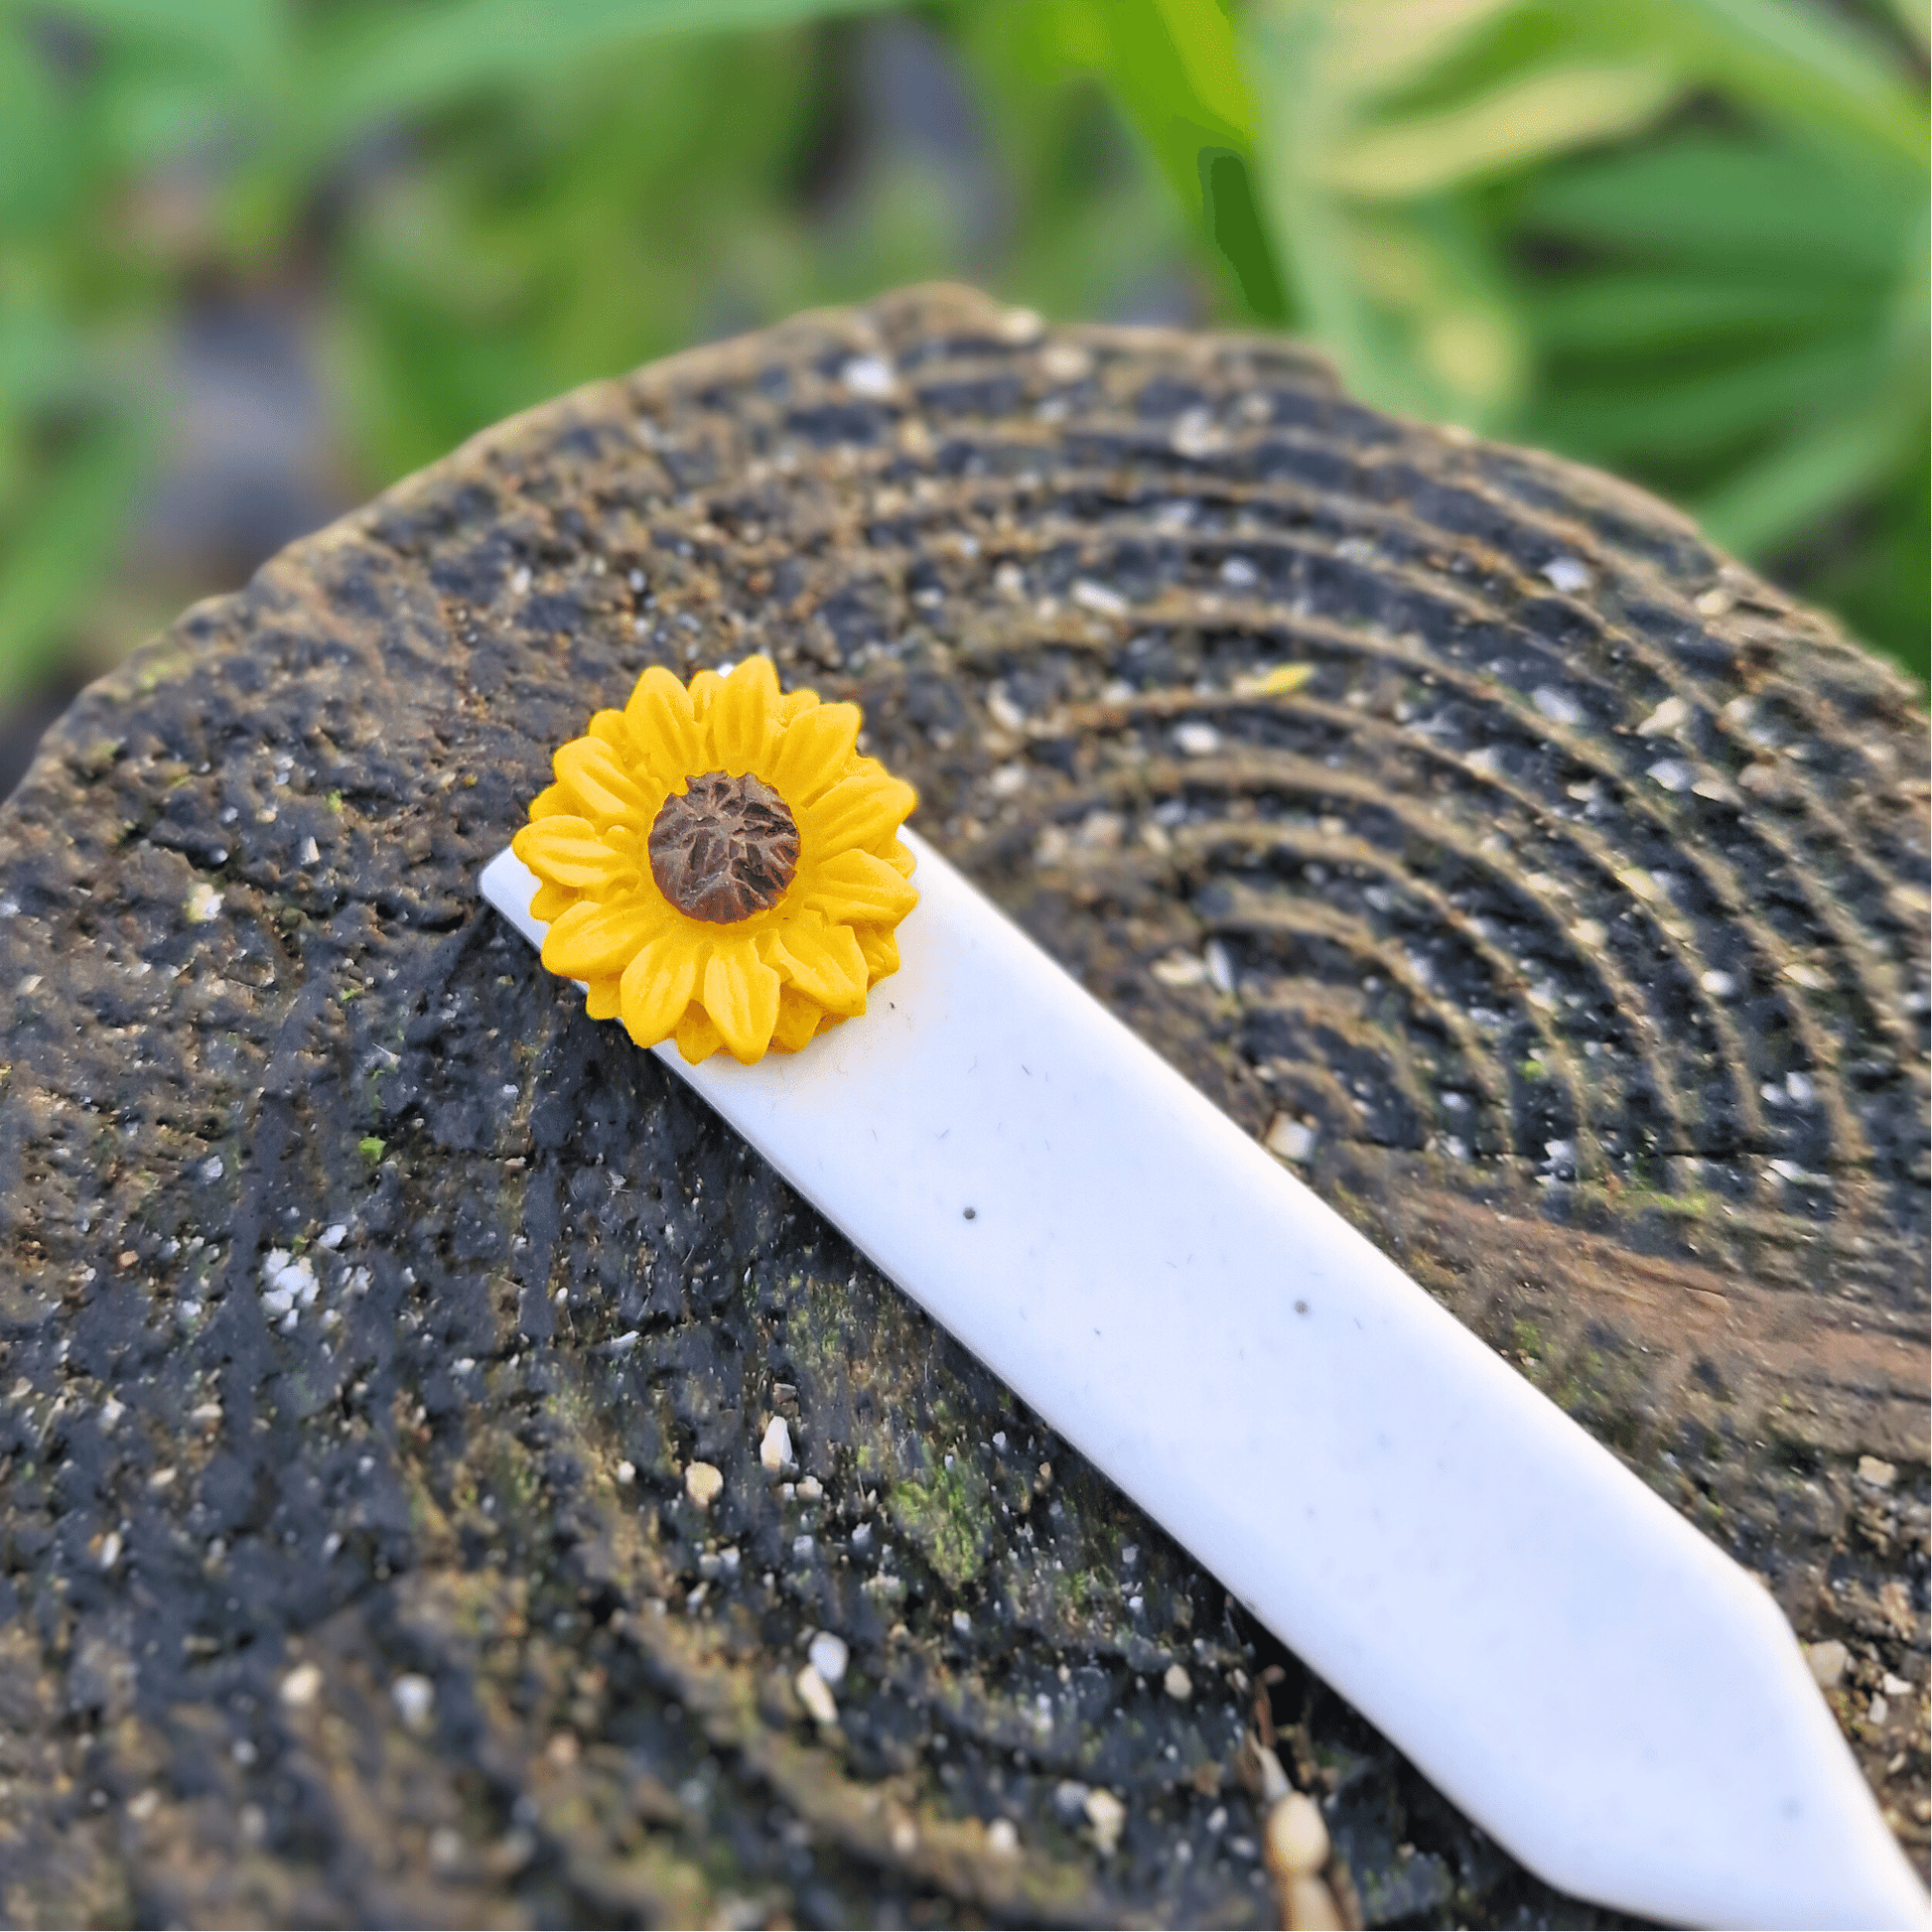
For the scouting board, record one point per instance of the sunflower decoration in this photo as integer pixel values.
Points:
(719, 866)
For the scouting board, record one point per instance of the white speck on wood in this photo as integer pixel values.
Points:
(816, 1695)
(1297, 1836)
(1098, 599)
(300, 1686)
(1179, 969)
(1828, 1662)
(1107, 1815)
(868, 376)
(1005, 714)
(414, 1697)
(1065, 363)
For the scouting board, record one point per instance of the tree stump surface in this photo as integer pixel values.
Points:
(1559, 906)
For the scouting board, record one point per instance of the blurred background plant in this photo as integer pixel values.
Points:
(257, 257)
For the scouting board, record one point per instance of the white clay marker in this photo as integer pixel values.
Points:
(1553, 1647)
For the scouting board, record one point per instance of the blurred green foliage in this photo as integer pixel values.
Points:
(1685, 239)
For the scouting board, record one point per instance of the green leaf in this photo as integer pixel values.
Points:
(1667, 310)
(537, 245)
(61, 547)
(1293, 48)
(1871, 569)
(1653, 415)
(1091, 229)
(1826, 465)
(145, 115)
(1175, 68)
(385, 64)
(1718, 200)
(1454, 348)
(40, 361)
(1804, 65)
(47, 155)
(1544, 110)
(1378, 48)
(244, 39)
(1911, 18)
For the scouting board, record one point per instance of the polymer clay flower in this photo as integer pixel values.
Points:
(719, 866)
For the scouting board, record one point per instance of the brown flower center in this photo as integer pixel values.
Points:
(724, 849)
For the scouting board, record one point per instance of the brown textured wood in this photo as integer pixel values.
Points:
(1550, 888)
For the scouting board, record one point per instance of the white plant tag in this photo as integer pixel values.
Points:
(1579, 1670)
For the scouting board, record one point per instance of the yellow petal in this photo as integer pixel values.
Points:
(740, 993)
(550, 802)
(798, 1020)
(861, 811)
(658, 984)
(663, 727)
(563, 824)
(550, 901)
(823, 962)
(704, 691)
(793, 705)
(697, 1037)
(589, 771)
(659, 691)
(859, 889)
(811, 755)
(610, 728)
(568, 852)
(900, 858)
(592, 940)
(737, 726)
(879, 949)
(601, 1000)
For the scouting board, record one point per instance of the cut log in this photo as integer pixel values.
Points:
(390, 1523)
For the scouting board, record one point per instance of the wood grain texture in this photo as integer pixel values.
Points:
(1549, 887)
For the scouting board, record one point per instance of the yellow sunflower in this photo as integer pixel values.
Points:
(719, 866)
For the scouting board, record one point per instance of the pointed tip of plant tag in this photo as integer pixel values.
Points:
(1561, 1653)
(1754, 1811)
